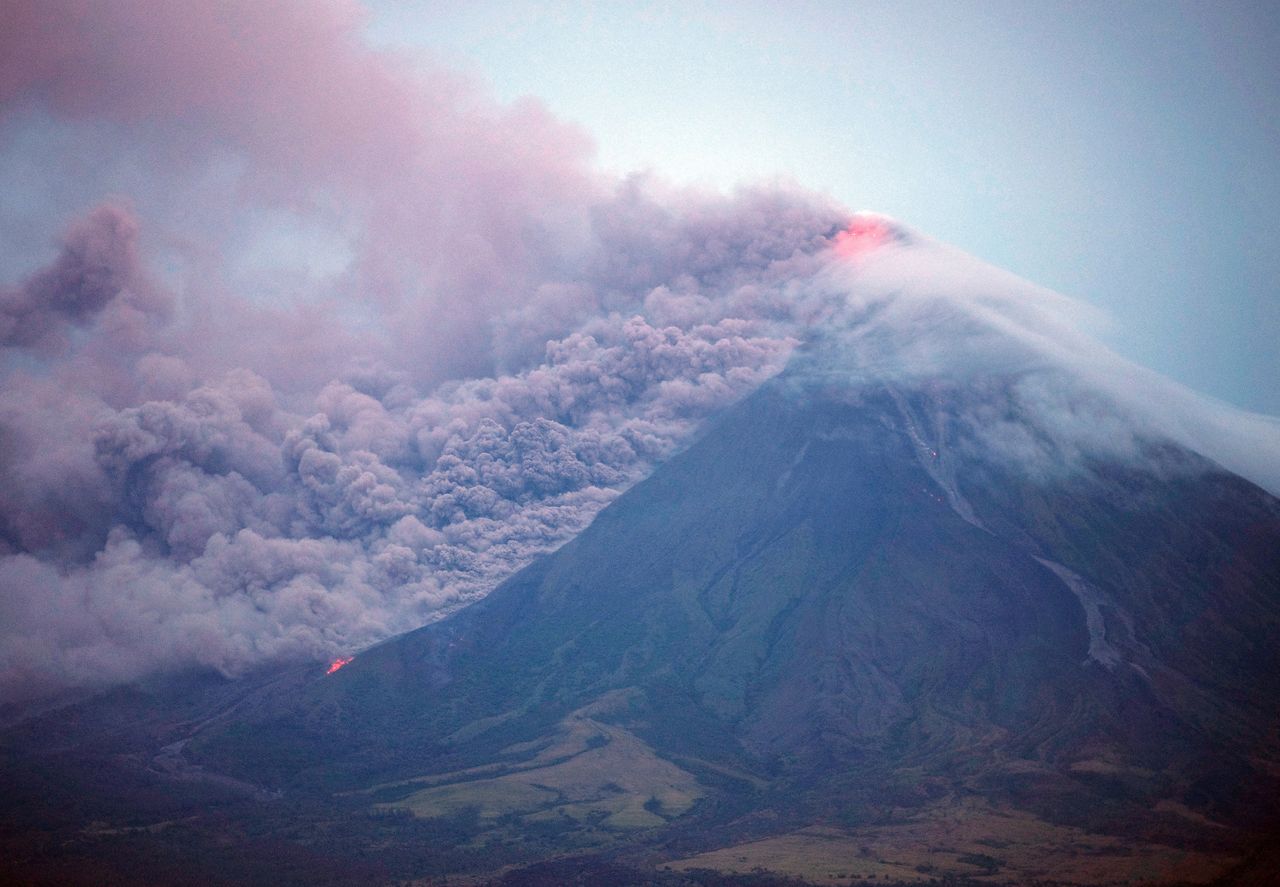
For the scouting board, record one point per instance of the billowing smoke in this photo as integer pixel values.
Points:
(330, 342)
(156, 515)
(207, 459)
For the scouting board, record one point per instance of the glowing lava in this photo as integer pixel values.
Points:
(864, 234)
(338, 663)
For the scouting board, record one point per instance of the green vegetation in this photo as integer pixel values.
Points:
(949, 840)
(590, 774)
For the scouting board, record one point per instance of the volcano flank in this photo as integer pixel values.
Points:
(870, 623)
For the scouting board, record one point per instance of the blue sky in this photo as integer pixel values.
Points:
(1122, 153)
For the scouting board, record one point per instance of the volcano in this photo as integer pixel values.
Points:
(935, 602)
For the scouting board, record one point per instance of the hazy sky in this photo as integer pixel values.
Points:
(1124, 153)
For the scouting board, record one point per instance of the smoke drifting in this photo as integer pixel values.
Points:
(163, 519)
(208, 458)
(209, 466)
(1042, 391)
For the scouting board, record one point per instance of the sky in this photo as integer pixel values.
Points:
(1122, 153)
(318, 320)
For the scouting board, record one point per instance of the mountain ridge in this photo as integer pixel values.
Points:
(852, 601)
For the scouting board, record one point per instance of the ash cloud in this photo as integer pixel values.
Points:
(97, 270)
(180, 520)
(212, 467)
(197, 474)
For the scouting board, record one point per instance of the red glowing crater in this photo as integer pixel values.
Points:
(864, 234)
(338, 663)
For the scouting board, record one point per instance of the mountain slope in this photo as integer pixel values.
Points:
(861, 600)
(830, 604)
